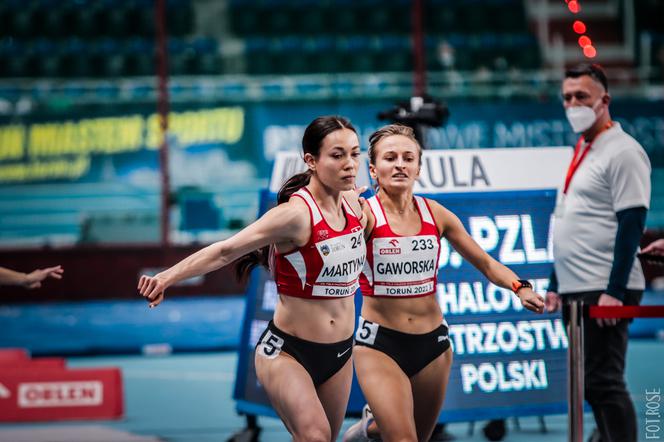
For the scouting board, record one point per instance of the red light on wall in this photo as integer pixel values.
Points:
(573, 6)
(589, 51)
(579, 27)
(584, 41)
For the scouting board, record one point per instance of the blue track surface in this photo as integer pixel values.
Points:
(104, 327)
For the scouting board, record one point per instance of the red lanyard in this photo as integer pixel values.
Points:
(574, 165)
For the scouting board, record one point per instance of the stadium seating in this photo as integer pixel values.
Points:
(649, 24)
(102, 38)
(98, 38)
(290, 36)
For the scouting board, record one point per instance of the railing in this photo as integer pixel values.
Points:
(575, 370)
(575, 353)
(636, 83)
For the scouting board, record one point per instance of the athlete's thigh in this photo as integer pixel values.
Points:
(291, 392)
(429, 386)
(334, 394)
(388, 392)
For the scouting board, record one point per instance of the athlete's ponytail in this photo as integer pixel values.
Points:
(261, 257)
(292, 185)
(312, 140)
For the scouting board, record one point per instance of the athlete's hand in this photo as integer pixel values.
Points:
(360, 199)
(552, 302)
(655, 247)
(608, 300)
(34, 279)
(652, 251)
(152, 288)
(531, 300)
(355, 200)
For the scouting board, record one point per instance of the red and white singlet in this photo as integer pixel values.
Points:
(329, 265)
(401, 266)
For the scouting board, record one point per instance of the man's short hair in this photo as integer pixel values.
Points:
(594, 71)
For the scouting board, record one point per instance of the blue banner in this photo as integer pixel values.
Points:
(507, 360)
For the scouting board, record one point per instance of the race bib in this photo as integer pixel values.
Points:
(366, 331)
(270, 345)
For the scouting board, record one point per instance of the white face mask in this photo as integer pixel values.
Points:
(581, 118)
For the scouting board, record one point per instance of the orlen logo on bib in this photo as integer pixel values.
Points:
(60, 394)
(394, 250)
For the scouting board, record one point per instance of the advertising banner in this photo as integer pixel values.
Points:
(221, 155)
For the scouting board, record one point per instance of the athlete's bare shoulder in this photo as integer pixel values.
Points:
(296, 205)
(292, 211)
(442, 216)
(292, 218)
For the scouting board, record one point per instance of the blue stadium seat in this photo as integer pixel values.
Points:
(245, 19)
(21, 23)
(179, 17)
(140, 57)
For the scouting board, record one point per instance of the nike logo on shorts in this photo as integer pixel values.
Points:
(343, 352)
(442, 338)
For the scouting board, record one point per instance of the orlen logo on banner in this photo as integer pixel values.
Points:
(60, 394)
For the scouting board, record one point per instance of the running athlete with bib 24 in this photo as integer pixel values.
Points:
(402, 355)
(314, 244)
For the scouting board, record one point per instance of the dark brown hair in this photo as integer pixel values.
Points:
(594, 71)
(312, 140)
(388, 131)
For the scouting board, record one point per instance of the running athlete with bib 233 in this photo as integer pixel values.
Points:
(402, 354)
(313, 242)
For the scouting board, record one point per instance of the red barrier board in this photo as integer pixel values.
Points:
(627, 311)
(43, 363)
(38, 394)
(8, 355)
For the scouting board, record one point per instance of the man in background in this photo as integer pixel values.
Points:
(599, 221)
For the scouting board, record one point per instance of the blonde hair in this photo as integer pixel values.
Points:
(388, 131)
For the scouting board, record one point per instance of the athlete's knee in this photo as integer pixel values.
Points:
(313, 432)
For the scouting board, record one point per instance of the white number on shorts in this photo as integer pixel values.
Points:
(366, 331)
(270, 346)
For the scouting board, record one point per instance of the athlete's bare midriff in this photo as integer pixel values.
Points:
(325, 321)
(407, 315)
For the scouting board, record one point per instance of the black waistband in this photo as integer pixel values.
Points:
(272, 326)
(424, 336)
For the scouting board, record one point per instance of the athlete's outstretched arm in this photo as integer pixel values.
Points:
(30, 280)
(453, 230)
(286, 223)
